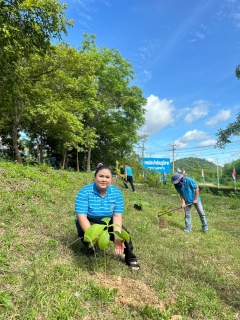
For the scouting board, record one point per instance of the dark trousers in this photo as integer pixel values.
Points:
(130, 180)
(128, 251)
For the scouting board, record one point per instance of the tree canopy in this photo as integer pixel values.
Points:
(233, 129)
(76, 103)
(72, 102)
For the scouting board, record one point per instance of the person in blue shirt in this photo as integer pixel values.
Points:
(128, 177)
(98, 200)
(189, 193)
(53, 161)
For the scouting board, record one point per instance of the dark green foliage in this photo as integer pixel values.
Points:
(228, 168)
(233, 129)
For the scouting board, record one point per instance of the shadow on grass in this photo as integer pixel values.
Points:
(94, 263)
(174, 224)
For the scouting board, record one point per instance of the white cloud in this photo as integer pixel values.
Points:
(85, 16)
(207, 143)
(223, 115)
(190, 136)
(197, 154)
(199, 110)
(158, 114)
(236, 19)
(146, 76)
(211, 160)
(194, 135)
(200, 35)
(84, 4)
(235, 154)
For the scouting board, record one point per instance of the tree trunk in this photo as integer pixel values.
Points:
(84, 162)
(41, 150)
(64, 159)
(77, 162)
(15, 144)
(89, 159)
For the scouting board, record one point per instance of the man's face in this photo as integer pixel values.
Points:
(178, 185)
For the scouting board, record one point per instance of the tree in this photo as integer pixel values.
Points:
(60, 94)
(29, 26)
(233, 129)
(117, 109)
(26, 27)
(228, 168)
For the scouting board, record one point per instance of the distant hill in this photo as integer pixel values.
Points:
(189, 164)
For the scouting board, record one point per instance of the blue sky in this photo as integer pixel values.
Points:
(184, 54)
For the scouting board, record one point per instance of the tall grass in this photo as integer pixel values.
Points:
(46, 275)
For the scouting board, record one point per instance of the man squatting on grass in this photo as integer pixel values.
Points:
(189, 193)
(98, 200)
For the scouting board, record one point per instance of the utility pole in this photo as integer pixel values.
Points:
(150, 154)
(144, 139)
(218, 176)
(174, 147)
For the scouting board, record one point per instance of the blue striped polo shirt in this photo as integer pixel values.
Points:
(89, 202)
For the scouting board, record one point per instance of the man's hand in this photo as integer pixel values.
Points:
(119, 246)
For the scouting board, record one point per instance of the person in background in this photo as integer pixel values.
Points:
(165, 178)
(98, 200)
(128, 177)
(189, 194)
(53, 161)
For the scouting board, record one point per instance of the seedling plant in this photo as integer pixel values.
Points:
(99, 235)
(139, 203)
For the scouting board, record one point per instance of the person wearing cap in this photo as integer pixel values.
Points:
(189, 194)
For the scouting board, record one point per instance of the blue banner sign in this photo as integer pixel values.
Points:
(157, 164)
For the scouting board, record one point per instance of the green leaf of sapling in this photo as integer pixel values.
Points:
(119, 235)
(93, 232)
(115, 225)
(144, 203)
(106, 220)
(126, 235)
(103, 240)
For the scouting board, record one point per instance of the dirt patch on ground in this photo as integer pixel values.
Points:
(132, 292)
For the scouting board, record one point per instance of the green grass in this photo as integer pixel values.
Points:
(44, 273)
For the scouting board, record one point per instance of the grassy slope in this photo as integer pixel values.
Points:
(45, 274)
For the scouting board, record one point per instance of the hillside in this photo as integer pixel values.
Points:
(46, 275)
(193, 163)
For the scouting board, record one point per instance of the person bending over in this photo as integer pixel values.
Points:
(189, 193)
